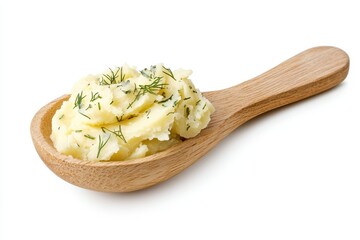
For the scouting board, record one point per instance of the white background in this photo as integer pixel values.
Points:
(291, 174)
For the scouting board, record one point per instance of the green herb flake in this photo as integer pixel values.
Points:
(95, 96)
(155, 85)
(175, 103)
(119, 119)
(101, 145)
(84, 115)
(78, 100)
(108, 79)
(89, 136)
(167, 99)
(122, 76)
(117, 133)
(187, 112)
(169, 73)
(204, 106)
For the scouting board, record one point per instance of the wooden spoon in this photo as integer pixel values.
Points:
(304, 75)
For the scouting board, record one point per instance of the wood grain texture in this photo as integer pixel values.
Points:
(306, 74)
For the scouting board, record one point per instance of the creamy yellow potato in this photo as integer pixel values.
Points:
(125, 114)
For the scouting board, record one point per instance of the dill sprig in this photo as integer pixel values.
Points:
(78, 100)
(95, 96)
(117, 133)
(108, 79)
(169, 72)
(148, 88)
(152, 87)
(122, 77)
(101, 145)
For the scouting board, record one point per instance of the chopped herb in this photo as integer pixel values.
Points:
(61, 117)
(187, 126)
(204, 106)
(101, 145)
(112, 102)
(99, 106)
(108, 79)
(170, 113)
(119, 119)
(90, 106)
(94, 96)
(59, 128)
(127, 91)
(187, 112)
(122, 77)
(89, 136)
(77, 131)
(132, 116)
(197, 102)
(165, 100)
(77, 144)
(78, 100)
(194, 91)
(149, 88)
(117, 133)
(84, 115)
(175, 103)
(169, 72)
(187, 98)
(147, 113)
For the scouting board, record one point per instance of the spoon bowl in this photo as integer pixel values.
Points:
(306, 74)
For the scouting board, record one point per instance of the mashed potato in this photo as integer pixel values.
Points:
(125, 114)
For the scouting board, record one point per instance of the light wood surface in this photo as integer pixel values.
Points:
(306, 74)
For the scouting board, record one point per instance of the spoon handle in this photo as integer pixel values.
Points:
(306, 74)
